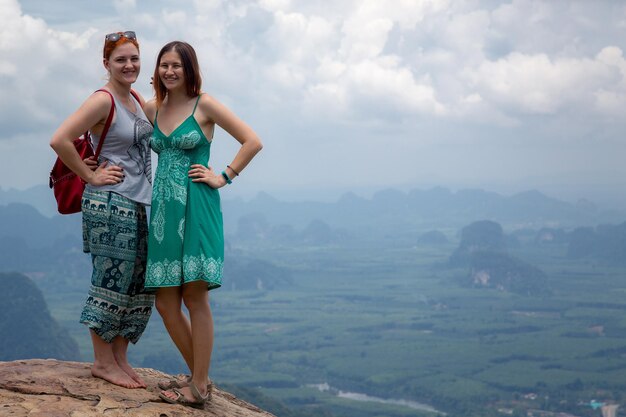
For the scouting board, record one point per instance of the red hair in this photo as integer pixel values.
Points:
(110, 46)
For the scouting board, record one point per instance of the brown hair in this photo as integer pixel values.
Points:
(109, 46)
(191, 70)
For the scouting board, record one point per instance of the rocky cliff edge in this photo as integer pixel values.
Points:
(52, 388)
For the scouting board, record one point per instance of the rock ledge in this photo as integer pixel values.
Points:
(52, 388)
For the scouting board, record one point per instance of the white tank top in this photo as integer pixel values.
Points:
(127, 144)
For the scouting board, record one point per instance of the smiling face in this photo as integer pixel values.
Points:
(171, 71)
(177, 67)
(124, 64)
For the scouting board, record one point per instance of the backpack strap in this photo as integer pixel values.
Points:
(107, 124)
(134, 93)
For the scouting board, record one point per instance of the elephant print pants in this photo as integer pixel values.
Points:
(115, 232)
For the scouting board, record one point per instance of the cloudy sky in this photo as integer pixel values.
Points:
(352, 94)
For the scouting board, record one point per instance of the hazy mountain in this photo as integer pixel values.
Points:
(480, 236)
(506, 273)
(50, 248)
(605, 242)
(548, 235)
(424, 209)
(484, 248)
(39, 196)
(27, 329)
(432, 237)
(47, 248)
(36, 230)
(391, 215)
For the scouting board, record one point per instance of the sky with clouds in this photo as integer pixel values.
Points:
(353, 94)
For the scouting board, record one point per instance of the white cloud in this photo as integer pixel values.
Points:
(475, 65)
(124, 7)
(388, 83)
(613, 56)
(338, 63)
(32, 58)
(176, 18)
(536, 84)
(207, 6)
(299, 39)
(364, 39)
(612, 102)
(286, 75)
(275, 5)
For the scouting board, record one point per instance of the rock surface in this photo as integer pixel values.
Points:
(52, 388)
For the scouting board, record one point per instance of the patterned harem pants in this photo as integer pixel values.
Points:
(115, 232)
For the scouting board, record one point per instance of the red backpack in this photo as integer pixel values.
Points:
(67, 186)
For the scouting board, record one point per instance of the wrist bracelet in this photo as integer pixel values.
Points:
(225, 175)
(231, 168)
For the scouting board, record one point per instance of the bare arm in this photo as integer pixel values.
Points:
(212, 111)
(92, 113)
(237, 128)
(150, 110)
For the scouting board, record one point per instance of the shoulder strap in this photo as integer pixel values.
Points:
(107, 124)
(194, 107)
(134, 93)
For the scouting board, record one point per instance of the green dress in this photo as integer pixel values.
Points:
(186, 236)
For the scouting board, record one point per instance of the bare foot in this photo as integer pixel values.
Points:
(114, 374)
(131, 373)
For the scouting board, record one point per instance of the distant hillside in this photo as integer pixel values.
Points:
(432, 237)
(506, 273)
(39, 196)
(484, 249)
(604, 242)
(27, 329)
(550, 235)
(18, 220)
(50, 249)
(436, 207)
(255, 227)
(480, 236)
(390, 216)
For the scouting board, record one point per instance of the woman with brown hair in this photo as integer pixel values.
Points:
(118, 187)
(186, 238)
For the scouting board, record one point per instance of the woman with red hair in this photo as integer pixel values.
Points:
(118, 187)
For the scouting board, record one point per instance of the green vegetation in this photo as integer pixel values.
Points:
(27, 329)
(366, 301)
(481, 236)
(605, 242)
(504, 272)
(395, 323)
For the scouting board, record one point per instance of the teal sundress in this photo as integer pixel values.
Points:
(186, 235)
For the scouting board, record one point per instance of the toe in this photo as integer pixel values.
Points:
(168, 394)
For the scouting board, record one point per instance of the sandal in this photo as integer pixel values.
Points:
(174, 383)
(209, 390)
(198, 402)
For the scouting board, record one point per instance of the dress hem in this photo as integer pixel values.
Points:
(212, 285)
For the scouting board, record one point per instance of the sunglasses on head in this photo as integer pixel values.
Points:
(115, 36)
